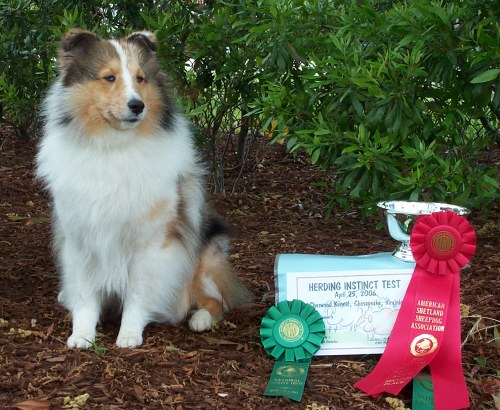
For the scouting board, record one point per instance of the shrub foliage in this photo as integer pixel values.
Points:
(398, 99)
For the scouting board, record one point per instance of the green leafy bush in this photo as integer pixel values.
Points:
(398, 99)
(403, 101)
(25, 67)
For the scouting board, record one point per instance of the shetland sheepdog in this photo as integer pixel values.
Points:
(132, 228)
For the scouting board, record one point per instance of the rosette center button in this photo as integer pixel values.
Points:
(291, 331)
(443, 243)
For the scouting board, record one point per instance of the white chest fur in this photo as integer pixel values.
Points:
(103, 195)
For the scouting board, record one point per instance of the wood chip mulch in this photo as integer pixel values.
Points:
(276, 210)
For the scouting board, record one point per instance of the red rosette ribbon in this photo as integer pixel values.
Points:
(442, 243)
(427, 329)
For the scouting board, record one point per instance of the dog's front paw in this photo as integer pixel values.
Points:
(200, 321)
(81, 340)
(129, 340)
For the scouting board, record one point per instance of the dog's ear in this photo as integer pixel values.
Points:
(77, 39)
(75, 50)
(143, 39)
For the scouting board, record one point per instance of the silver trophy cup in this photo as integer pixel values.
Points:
(399, 217)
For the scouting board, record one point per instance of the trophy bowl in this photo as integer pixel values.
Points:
(399, 217)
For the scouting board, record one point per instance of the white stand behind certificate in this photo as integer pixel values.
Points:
(358, 296)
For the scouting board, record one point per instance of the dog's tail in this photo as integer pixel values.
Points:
(215, 267)
(216, 287)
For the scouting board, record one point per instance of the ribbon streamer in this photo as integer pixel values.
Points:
(427, 329)
(291, 332)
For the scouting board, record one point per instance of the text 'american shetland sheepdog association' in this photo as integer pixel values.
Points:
(131, 224)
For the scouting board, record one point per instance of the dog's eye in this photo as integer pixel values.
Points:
(110, 78)
(140, 79)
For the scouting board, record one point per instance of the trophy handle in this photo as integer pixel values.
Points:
(397, 230)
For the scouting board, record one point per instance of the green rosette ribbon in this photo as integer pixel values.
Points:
(292, 331)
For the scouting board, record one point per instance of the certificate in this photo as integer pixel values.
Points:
(358, 296)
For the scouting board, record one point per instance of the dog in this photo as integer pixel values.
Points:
(132, 227)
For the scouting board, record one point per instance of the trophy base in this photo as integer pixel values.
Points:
(403, 252)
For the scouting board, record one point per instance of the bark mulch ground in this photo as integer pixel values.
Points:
(276, 210)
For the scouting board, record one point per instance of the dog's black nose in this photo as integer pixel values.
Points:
(136, 106)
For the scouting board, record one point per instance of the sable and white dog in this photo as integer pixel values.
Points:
(131, 224)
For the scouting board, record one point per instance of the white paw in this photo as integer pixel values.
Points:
(81, 340)
(129, 340)
(200, 321)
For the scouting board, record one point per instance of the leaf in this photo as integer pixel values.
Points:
(410, 38)
(491, 181)
(375, 115)
(481, 360)
(315, 156)
(15, 217)
(50, 330)
(274, 11)
(260, 29)
(360, 186)
(170, 347)
(198, 110)
(151, 24)
(356, 105)
(239, 23)
(486, 76)
(349, 179)
(496, 335)
(363, 134)
(75, 402)
(37, 219)
(33, 405)
(351, 148)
